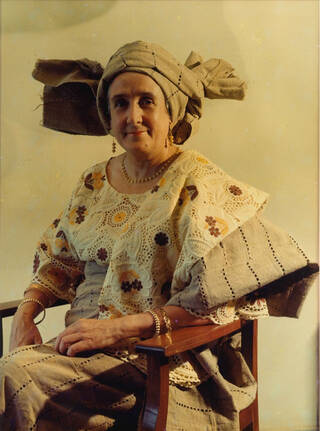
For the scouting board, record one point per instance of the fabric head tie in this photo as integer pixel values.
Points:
(81, 86)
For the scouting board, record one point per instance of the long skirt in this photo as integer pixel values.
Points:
(46, 391)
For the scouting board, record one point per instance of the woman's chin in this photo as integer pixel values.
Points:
(139, 143)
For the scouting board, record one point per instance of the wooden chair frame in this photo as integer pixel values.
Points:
(159, 349)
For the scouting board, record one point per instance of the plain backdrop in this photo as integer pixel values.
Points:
(268, 140)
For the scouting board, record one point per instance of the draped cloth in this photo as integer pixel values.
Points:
(196, 240)
(75, 92)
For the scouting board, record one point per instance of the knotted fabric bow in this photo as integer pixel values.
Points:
(75, 93)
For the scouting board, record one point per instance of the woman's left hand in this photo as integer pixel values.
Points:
(88, 334)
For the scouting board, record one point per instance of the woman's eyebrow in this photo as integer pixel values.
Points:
(124, 95)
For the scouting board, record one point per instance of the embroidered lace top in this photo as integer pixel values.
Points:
(153, 247)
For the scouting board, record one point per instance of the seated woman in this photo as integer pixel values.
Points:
(153, 239)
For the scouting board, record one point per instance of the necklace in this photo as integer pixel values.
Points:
(151, 177)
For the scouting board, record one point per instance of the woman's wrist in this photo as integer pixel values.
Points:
(137, 325)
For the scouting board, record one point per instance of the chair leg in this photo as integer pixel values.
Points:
(155, 409)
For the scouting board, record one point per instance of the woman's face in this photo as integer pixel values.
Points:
(139, 118)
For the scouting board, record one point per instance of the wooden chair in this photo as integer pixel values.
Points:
(159, 349)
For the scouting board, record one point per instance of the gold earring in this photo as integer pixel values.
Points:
(114, 146)
(171, 137)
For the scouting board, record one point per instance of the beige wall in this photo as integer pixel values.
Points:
(268, 140)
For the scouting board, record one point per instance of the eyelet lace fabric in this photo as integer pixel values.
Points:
(161, 246)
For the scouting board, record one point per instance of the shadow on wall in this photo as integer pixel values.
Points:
(37, 16)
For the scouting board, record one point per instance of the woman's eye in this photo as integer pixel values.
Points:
(146, 101)
(120, 103)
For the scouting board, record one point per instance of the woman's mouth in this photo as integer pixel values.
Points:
(136, 132)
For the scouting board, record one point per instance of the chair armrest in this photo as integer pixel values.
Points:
(9, 308)
(183, 339)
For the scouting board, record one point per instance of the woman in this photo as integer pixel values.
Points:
(151, 240)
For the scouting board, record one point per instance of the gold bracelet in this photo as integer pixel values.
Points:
(25, 301)
(166, 319)
(156, 322)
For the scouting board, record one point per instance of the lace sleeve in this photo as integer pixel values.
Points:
(56, 265)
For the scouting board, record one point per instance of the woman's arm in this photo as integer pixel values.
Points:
(23, 330)
(92, 334)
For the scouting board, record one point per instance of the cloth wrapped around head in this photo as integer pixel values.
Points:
(75, 94)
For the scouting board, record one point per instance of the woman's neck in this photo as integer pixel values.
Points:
(139, 165)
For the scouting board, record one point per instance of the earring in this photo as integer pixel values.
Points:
(114, 146)
(171, 137)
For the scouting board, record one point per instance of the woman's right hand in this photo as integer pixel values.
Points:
(23, 331)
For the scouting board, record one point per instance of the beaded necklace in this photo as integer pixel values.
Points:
(151, 177)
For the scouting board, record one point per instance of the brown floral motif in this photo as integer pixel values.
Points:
(77, 214)
(36, 263)
(94, 180)
(155, 188)
(235, 190)
(130, 281)
(43, 246)
(102, 254)
(184, 197)
(161, 239)
(127, 286)
(214, 229)
(61, 235)
(61, 241)
(56, 222)
(80, 212)
(193, 191)
(212, 223)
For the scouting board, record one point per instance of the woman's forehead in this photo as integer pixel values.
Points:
(133, 82)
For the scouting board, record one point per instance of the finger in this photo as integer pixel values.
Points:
(80, 346)
(68, 340)
(68, 331)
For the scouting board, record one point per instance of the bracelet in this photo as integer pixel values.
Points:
(156, 322)
(166, 319)
(24, 301)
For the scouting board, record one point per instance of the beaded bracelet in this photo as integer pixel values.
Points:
(24, 301)
(156, 321)
(166, 319)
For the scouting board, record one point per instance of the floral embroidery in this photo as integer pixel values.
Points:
(184, 197)
(102, 254)
(61, 234)
(61, 241)
(235, 190)
(217, 226)
(94, 180)
(43, 246)
(157, 186)
(77, 214)
(202, 160)
(36, 263)
(119, 217)
(193, 191)
(130, 281)
(161, 238)
(55, 222)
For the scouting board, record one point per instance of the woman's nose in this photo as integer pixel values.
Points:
(134, 115)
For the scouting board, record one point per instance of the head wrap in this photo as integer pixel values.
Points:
(75, 94)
